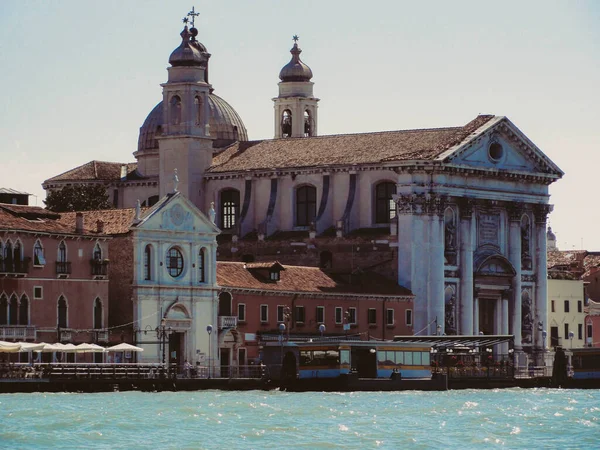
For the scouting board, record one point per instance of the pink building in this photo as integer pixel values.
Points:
(53, 278)
(257, 298)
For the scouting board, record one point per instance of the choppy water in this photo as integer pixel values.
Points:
(511, 418)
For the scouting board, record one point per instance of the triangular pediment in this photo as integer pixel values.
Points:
(500, 146)
(176, 213)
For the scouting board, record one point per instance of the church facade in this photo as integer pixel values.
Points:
(457, 215)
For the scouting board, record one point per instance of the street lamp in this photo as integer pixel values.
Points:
(209, 329)
(161, 333)
(322, 329)
(281, 331)
(571, 336)
(544, 334)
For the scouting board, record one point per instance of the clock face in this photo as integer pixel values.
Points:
(177, 215)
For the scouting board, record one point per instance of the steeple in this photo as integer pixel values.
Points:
(296, 106)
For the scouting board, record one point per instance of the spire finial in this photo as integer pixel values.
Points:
(295, 38)
(175, 180)
(192, 14)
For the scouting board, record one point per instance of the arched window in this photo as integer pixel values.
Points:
(199, 106)
(230, 207)
(13, 311)
(148, 262)
(24, 311)
(307, 124)
(62, 312)
(62, 252)
(38, 254)
(306, 205)
(97, 252)
(286, 123)
(97, 314)
(17, 256)
(385, 208)
(202, 265)
(175, 110)
(3, 310)
(225, 304)
(8, 257)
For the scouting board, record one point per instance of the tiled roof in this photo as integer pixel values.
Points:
(96, 170)
(116, 221)
(31, 218)
(29, 212)
(302, 279)
(344, 149)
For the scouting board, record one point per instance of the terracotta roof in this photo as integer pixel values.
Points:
(302, 279)
(265, 265)
(31, 218)
(12, 191)
(116, 221)
(29, 212)
(97, 170)
(344, 149)
(573, 258)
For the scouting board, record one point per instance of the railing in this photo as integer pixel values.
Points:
(102, 335)
(17, 332)
(533, 371)
(14, 267)
(63, 267)
(233, 372)
(227, 322)
(99, 267)
(65, 335)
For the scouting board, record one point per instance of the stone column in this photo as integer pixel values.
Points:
(504, 327)
(436, 262)
(515, 211)
(541, 271)
(476, 311)
(465, 307)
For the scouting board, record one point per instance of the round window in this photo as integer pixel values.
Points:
(495, 151)
(174, 262)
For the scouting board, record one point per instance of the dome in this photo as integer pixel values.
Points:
(295, 70)
(190, 52)
(226, 126)
(550, 235)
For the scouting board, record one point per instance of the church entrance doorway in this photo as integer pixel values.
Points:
(176, 350)
(487, 312)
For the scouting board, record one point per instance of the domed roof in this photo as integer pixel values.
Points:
(550, 235)
(190, 52)
(295, 70)
(226, 126)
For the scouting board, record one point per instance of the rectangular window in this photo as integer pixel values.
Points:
(552, 306)
(372, 316)
(389, 317)
(274, 275)
(300, 317)
(320, 314)
(566, 305)
(409, 317)
(241, 312)
(589, 332)
(352, 316)
(264, 313)
(338, 315)
(280, 313)
(37, 292)
(579, 306)
(116, 198)
(580, 331)
(566, 331)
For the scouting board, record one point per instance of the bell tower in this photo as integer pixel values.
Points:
(296, 106)
(185, 143)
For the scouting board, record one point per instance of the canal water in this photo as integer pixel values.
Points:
(510, 418)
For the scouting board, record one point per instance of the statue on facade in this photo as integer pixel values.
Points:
(526, 321)
(525, 245)
(449, 238)
(450, 317)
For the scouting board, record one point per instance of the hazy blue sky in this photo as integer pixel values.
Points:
(79, 77)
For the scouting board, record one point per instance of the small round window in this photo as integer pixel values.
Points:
(496, 152)
(174, 262)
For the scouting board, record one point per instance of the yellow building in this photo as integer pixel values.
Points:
(566, 317)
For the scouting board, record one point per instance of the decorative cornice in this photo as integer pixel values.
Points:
(515, 211)
(421, 204)
(541, 213)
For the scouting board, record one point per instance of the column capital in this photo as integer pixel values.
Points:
(421, 204)
(515, 211)
(466, 205)
(541, 213)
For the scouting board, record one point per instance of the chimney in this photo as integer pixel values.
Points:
(79, 223)
(123, 171)
(100, 226)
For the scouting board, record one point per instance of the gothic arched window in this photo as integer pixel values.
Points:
(38, 254)
(308, 129)
(3, 310)
(62, 252)
(13, 311)
(97, 252)
(8, 256)
(62, 312)
(385, 208)
(175, 110)
(148, 262)
(306, 205)
(230, 206)
(286, 123)
(24, 311)
(97, 314)
(202, 265)
(17, 256)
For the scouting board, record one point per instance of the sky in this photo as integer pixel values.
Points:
(80, 77)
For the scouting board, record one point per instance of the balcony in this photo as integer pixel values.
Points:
(101, 335)
(17, 332)
(66, 335)
(14, 268)
(63, 268)
(227, 322)
(99, 267)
